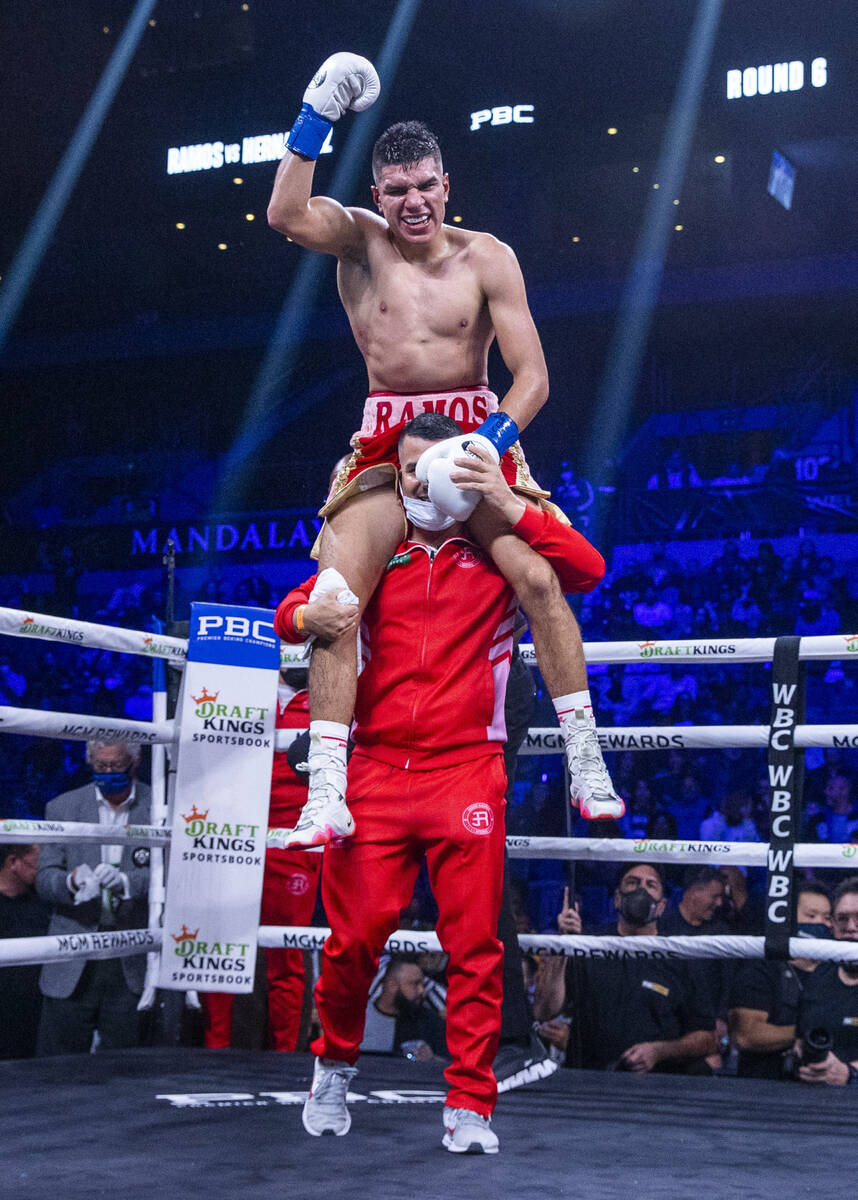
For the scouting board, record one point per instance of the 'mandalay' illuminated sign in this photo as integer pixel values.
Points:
(211, 156)
(771, 78)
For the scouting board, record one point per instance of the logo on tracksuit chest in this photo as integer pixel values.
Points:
(479, 819)
(466, 557)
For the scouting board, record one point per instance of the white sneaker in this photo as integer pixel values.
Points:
(325, 1109)
(466, 1132)
(590, 785)
(325, 815)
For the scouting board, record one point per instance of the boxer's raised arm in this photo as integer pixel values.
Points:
(315, 222)
(515, 331)
(342, 82)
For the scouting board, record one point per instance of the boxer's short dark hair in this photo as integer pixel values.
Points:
(403, 145)
(433, 426)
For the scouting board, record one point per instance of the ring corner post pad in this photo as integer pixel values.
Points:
(220, 816)
(786, 782)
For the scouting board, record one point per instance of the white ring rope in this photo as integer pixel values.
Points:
(545, 740)
(410, 941)
(17, 623)
(73, 727)
(708, 650)
(569, 849)
(15, 829)
(55, 947)
(618, 850)
(120, 943)
(549, 740)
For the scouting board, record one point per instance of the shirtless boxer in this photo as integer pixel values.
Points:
(425, 301)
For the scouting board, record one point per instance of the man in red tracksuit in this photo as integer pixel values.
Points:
(289, 887)
(427, 777)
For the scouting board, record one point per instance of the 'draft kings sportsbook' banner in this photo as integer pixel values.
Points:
(223, 783)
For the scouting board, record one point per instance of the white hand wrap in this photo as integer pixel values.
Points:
(331, 580)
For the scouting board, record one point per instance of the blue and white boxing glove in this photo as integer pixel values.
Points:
(496, 434)
(343, 81)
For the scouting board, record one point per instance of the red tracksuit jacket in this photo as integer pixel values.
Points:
(437, 639)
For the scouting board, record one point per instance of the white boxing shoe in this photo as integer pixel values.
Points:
(325, 816)
(590, 787)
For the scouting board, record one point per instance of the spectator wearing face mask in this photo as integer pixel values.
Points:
(94, 888)
(628, 1014)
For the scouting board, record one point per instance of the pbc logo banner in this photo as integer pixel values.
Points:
(234, 636)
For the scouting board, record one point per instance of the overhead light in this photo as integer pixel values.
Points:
(719, 158)
(152, 23)
(678, 228)
(676, 202)
(238, 179)
(458, 220)
(576, 239)
(656, 186)
(612, 130)
(249, 216)
(180, 224)
(105, 29)
(221, 245)
(635, 169)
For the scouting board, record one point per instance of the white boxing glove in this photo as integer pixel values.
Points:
(343, 81)
(110, 877)
(434, 466)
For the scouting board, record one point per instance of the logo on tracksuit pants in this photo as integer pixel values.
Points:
(478, 818)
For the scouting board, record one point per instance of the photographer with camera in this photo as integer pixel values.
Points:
(764, 995)
(827, 1023)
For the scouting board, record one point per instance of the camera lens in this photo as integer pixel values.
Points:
(815, 1045)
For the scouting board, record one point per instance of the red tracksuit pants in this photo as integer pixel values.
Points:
(288, 898)
(455, 817)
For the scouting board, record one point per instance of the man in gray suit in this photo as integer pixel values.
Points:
(94, 888)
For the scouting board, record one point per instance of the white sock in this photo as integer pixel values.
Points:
(331, 739)
(567, 706)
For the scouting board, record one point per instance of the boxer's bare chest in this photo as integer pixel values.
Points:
(389, 297)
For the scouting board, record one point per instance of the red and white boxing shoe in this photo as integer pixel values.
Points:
(590, 787)
(466, 1132)
(325, 817)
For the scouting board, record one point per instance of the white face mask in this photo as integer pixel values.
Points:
(425, 515)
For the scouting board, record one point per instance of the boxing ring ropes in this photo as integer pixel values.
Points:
(161, 734)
